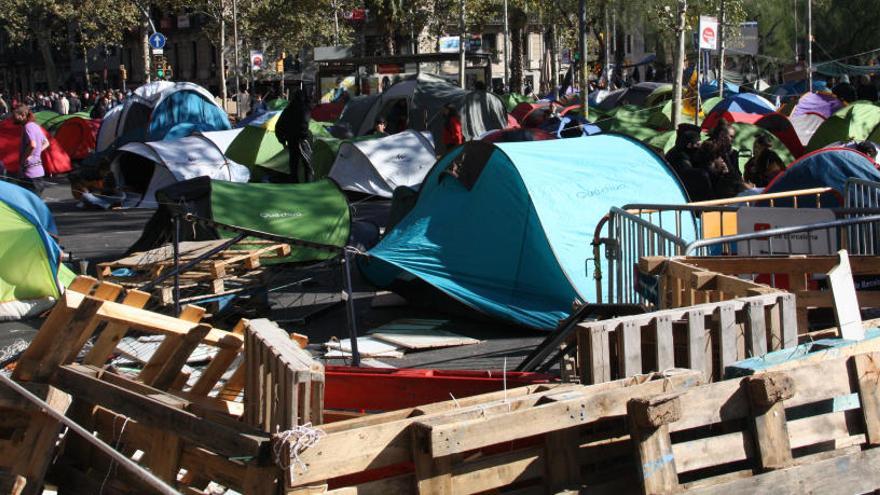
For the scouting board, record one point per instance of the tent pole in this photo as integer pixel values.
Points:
(680, 24)
(506, 40)
(721, 52)
(348, 295)
(461, 58)
(177, 265)
(810, 45)
(237, 59)
(582, 50)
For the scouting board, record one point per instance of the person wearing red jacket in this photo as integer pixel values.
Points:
(452, 135)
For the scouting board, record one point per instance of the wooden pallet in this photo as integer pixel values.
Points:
(689, 280)
(813, 427)
(226, 272)
(176, 427)
(523, 436)
(706, 337)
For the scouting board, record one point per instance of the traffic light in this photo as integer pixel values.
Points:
(160, 71)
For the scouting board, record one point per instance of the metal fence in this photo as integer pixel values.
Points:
(634, 231)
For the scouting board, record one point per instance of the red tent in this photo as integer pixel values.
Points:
(327, 112)
(516, 134)
(520, 111)
(77, 136)
(55, 159)
(781, 127)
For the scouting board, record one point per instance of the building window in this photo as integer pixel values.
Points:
(490, 42)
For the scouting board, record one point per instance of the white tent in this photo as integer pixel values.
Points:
(805, 126)
(222, 139)
(378, 166)
(107, 131)
(145, 168)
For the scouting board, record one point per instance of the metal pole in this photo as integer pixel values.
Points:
(461, 58)
(237, 59)
(810, 45)
(582, 50)
(721, 52)
(335, 24)
(135, 469)
(698, 68)
(506, 52)
(679, 59)
(176, 265)
(349, 308)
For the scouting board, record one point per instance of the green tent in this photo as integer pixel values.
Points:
(709, 104)
(256, 144)
(319, 129)
(44, 116)
(662, 142)
(54, 123)
(276, 104)
(31, 273)
(745, 139)
(315, 211)
(857, 122)
(511, 100)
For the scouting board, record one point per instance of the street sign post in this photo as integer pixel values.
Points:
(157, 41)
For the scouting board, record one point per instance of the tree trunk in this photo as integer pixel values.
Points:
(677, 66)
(517, 24)
(145, 50)
(222, 57)
(48, 61)
(85, 55)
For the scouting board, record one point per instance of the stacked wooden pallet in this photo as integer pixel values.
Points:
(187, 432)
(225, 272)
(814, 426)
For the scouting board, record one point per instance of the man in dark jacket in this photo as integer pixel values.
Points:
(684, 158)
(292, 131)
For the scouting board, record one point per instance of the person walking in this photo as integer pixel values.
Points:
(292, 131)
(33, 144)
(452, 135)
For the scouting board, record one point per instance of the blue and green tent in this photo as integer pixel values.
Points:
(31, 273)
(506, 228)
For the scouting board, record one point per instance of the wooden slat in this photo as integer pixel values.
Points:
(727, 333)
(867, 368)
(113, 332)
(172, 366)
(755, 329)
(767, 394)
(500, 470)
(665, 349)
(629, 338)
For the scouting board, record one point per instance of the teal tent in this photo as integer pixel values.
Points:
(506, 228)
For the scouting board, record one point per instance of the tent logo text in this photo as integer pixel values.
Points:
(280, 214)
(592, 193)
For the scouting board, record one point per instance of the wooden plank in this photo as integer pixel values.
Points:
(38, 441)
(851, 473)
(788, 321)
(867, 368)
(756, 330)
(712, 451)
(433, 475)
(727, 333)
(113, 332)
(767, 393)
(169, 346)
(164, 456)
(56, 337)
(498, 471)
(665, 348)
(82, 284)
(173, 365)
(650, 434)
(382, 440)
(161, 324)
(561, 459)
(577, 409)
(699, 356)
(595, 360)
(629, 338)
(82, 383)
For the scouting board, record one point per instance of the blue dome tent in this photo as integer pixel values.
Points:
(827, 167)
(506, 228)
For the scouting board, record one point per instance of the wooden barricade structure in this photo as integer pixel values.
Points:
(188, 430)
(705, 337)
(533, 436)
(686, 281)
(814, 426)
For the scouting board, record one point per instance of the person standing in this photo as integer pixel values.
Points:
(452, 135)
(33, 144)
(292, 131)
(63, 104)
(75, 104)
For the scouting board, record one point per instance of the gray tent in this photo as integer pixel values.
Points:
(417, 103)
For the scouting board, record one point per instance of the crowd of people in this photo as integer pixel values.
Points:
(64, 102)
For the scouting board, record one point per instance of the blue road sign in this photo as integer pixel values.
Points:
(157, 41)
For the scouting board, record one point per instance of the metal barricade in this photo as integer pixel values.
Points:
(860, 194)
(638, 230)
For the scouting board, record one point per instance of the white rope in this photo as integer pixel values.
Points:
(12, 350)
(118, 442)
(298, 439)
